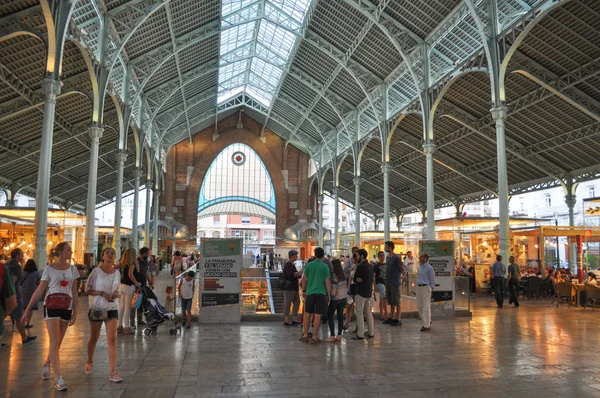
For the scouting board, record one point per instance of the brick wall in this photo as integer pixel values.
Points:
(187, 164)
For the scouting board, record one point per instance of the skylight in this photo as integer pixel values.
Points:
(257, 42)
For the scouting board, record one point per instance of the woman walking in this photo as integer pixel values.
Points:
(339, 292)
(102, 289)
(60, 307)
(177, 264)
(130, 275)
(152, 270)
(29, 281)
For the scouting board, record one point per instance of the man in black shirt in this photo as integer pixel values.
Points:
(290, 290)
(364, 290)
(143, 263)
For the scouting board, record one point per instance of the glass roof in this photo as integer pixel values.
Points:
(256, 45)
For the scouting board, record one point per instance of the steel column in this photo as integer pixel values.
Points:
(90, 215)
(147, 212)
(320, 199)
(429, 149)
(121, 157)
(386, 202)
(51, 90)
(336, 216)
(136, 198)
(357, 182)
(571, 201)
(156, 193)
(499, 116)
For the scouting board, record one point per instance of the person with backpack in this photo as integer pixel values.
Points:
(29, 282)
(8, 296)
(289, 285)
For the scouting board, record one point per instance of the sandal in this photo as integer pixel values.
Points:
(315, 341)
(330, 340)
(338, 339)
(304, 339)
(89, 368)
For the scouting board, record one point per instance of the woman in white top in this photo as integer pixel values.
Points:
(103, 292)
(177, 263)
(61, 280)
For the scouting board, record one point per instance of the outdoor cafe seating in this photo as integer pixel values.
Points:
(565, 293)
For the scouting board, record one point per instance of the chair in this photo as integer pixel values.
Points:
(592, 295)
(547, 290)
(565, 292)
(535, 285)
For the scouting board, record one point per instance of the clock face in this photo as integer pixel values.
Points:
(238, 158)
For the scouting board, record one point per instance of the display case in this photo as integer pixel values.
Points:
(256, 292)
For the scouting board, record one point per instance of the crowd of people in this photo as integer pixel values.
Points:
(331, 289)
(109, 288)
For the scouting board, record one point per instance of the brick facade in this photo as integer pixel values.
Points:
(187, 164)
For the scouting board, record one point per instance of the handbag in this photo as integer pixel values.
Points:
(58, 301)
(136, 300)
(99, 309)
(284, 284)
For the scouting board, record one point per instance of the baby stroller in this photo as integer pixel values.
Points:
(156, 314)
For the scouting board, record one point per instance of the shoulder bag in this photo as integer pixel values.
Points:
(59, 301)
(284, 283)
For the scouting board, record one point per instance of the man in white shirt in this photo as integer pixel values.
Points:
(425, 283)
(409, 263)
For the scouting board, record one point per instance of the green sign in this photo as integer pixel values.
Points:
(437, 248)
(220, 247)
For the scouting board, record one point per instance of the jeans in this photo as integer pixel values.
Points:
(363, 311)
(513, 285)
(499, 283)
(290, 297)
(336, 305)
(127, 293)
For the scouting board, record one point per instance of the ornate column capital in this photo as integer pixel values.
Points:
(320, 198)
(96, 133)
(571, 201)
(121, 158)
(499, 113)
(357, 181)
(429, 148)
(385, 168)
(138, 173)
(51, 86)
(335, 190)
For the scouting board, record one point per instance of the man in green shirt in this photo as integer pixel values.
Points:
(8, 295)
(316, 289)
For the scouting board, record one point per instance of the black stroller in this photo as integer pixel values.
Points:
(156, 315)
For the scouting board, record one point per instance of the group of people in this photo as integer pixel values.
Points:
(271, 261)
(110, 287)
(330, 288)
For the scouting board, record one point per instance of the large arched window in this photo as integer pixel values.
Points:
(237, 182)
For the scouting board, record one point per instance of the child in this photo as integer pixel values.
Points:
(186, 293)
(170, 301)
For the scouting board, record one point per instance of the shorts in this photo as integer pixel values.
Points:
(18, 312)
(111, 314)
(315, 304)
(186, 304)
(153, 273)
(392, 294)
(381, 290)
(63, 315)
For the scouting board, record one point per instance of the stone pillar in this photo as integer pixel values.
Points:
(51, 90)
(136, 198)
(357, 182)
(386, 202)
(147, 218)
(320, 199)
(336, 216)
(429, 149)
(499, 116)
(121, 158)
(90, 215)
(155, 234)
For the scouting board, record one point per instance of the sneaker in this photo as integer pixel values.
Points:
(424, 329)
(396, 323)
(115, 378)
(127, 331)
(388, 321)
(288, 324)
(369, 336)
(46, 372)
(28, 326)
(29, 339)
(188, 326)
(120, 330)
(59, 384)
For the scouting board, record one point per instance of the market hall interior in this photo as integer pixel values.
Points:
(397, 116)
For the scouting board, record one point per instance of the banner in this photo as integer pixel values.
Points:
(221, 280)
(441, 258)
(483, 279)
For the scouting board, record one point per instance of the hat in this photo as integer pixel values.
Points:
(292, 253)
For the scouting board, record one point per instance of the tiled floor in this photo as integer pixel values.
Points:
(534, 351)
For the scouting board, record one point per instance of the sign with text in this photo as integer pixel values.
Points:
(442, 260)
(221, 280)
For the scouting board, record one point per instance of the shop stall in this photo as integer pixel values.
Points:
(257, 292)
